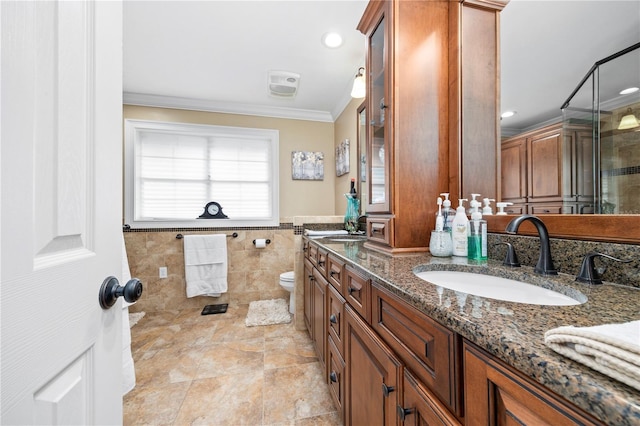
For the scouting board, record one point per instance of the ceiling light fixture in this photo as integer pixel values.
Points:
(508, 114)
(332, 40)
(359, 89)
(629, 121)
(629, 90)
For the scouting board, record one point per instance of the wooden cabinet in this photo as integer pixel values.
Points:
(431, 91)
(372, 377)
(420, 407)
(548, 171)
(319, 315)
(308, 294)
(498, 395)
(358, 292)
(427, 348)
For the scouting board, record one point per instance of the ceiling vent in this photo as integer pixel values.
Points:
(283, 84)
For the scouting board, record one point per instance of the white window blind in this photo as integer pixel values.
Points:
(175, 169)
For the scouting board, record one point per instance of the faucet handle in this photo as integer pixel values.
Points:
(511, 258)
(588, 273)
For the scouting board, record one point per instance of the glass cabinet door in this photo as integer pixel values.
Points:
(378, 154)
(363, 192)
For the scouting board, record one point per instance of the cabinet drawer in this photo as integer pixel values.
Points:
(380, 230)
(322, 261)
(335, 269)
(545, 209)
(429, 350)
(358, 292)
(335, 317)
(313, 254)
(335, 377)
(516, 209)
(496, 391)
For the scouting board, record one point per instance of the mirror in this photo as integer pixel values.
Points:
(540, 69)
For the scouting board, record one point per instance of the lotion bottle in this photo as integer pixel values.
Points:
(459, 230)
(486, 210)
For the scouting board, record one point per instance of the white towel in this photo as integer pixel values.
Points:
(205, 264)
(324, 233)
(612, 349)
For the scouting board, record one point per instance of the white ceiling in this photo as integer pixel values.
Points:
(215, 55)
(219, 53)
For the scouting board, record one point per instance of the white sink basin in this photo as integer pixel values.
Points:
(499, 288)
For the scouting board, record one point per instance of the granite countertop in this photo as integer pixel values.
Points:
(514, 332)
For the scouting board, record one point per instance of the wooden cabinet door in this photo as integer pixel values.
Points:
(308, 295)
(372, 376)
(545, 166)
(514, 171)
(498, 395)
(420, 407)
(427, 348)
(319, 315)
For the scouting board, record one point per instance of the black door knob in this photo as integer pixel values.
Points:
(111, 290)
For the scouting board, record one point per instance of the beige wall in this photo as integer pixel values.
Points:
(346, 128)
(297, 198)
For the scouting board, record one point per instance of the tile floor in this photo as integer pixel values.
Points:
(213, 370)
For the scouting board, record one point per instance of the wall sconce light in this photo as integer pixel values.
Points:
(629, 121)
(359, 89)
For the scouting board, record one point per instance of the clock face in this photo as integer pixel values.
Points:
(213, 209)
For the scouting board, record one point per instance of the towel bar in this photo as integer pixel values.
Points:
(234, 235)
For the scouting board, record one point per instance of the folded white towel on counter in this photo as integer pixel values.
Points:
(205, 264)
(612, 349)
(325, 233)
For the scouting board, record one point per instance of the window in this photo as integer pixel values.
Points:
(172, 170)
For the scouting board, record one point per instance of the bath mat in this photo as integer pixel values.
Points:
(134, 317)
(220, 308)
(268, 312)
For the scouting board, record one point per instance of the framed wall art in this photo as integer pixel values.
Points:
(342, 158)
(307, 165)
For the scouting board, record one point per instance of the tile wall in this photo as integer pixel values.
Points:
(253, 274)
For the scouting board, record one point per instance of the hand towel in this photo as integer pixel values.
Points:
(205, 264)
(612, 349)
(325, 233)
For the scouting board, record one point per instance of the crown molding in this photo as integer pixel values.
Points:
(224, 107)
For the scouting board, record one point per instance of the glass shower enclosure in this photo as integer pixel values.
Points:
(601, 126)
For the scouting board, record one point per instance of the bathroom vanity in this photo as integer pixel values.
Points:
(397, 348)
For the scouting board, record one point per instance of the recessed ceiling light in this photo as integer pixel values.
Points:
(508, 114)
(332, 40)
(629, 90)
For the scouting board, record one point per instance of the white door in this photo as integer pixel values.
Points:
(61, 86)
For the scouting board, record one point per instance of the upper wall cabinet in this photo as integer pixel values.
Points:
(432, 103)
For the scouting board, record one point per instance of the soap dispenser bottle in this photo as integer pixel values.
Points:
(459, 230)
(447, 212)
(477, 237)
(486, 210)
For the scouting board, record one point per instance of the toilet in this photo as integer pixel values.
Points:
(287, 281)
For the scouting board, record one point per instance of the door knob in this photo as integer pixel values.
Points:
(111, 290)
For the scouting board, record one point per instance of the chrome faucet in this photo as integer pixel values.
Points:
(545, 263)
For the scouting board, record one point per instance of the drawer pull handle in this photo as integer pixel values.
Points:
(386, 390)
(310, 277)
(332, 273)
(404, 412)
(333, 376)
(321, 262)
(351, 290)
(333, 319)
